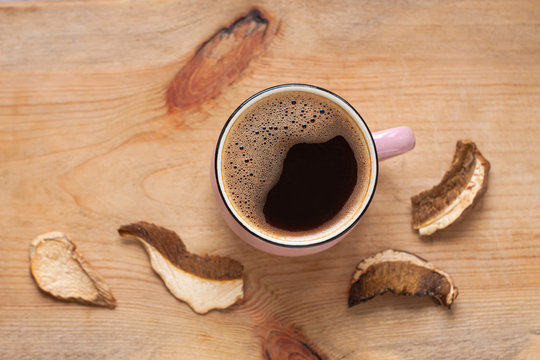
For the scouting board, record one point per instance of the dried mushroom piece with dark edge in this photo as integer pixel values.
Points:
(400, 273)
(459, 190)
(60, 270)
(204, 282)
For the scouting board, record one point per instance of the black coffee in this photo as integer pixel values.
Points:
(316, 182)
(295, 164)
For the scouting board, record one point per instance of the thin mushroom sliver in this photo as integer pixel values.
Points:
(204, 282)
(458, 192)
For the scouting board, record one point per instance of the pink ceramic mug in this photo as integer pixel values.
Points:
(381, 145)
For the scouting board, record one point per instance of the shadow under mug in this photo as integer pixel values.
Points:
(381, 145)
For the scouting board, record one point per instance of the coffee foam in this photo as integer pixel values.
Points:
(258, 142)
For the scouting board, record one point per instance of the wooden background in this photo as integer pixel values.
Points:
(93, 135)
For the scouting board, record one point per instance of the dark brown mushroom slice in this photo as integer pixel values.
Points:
(458, 192)
(204, 282)
(400, 273)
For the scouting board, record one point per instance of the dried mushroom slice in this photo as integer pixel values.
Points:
(459, 190)
(59, 269)
(204, 282)
(400, 273)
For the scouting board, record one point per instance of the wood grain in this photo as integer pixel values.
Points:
(87, 143)
(220, 60)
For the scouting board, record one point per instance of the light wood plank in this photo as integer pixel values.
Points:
(87, 143)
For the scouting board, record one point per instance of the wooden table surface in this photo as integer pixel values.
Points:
(109, 112)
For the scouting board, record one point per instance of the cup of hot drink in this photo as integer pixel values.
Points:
(296, 166)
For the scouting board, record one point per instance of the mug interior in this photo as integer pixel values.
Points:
(303, 240)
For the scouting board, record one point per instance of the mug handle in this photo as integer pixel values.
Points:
(394, 141)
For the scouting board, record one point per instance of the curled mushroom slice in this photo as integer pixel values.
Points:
(459, 190)
(204, 282)
(60, 270)
(401, 273)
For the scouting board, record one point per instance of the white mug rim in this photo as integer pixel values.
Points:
(346, 107)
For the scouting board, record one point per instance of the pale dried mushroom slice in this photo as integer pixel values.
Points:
(459, 190)
(60, 270)
(400, 273)
(204, 282)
